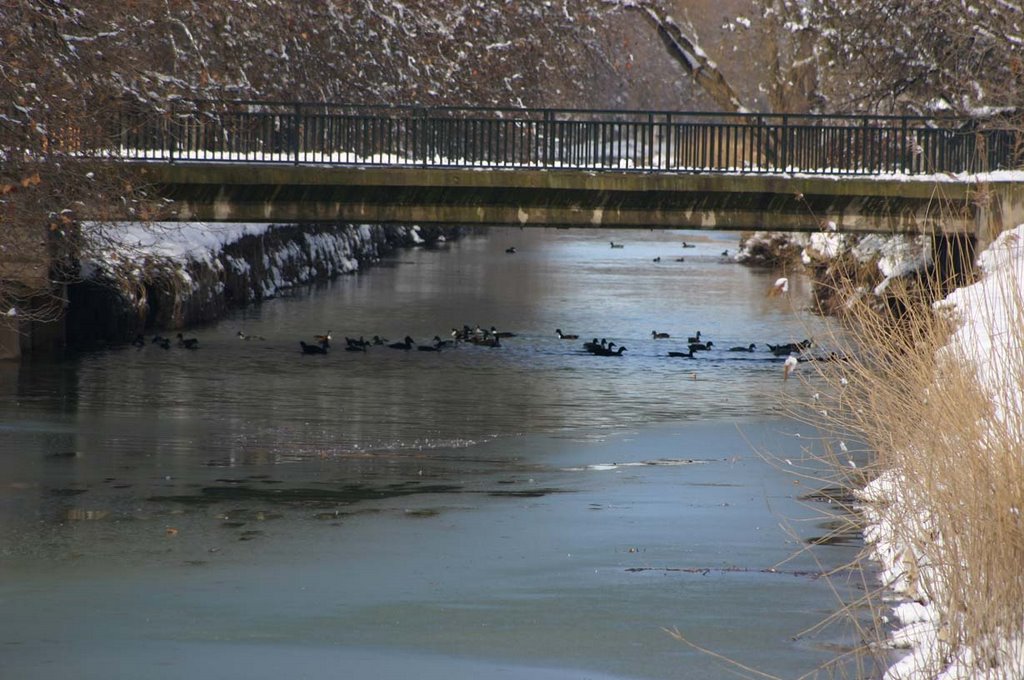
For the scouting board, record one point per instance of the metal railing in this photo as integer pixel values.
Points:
(655, 141)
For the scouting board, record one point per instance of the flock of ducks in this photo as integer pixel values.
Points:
(793, 352)
(165, 343)
(613, 244)
(511, 250)
(490, 337)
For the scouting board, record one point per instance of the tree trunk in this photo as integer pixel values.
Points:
(693, 59)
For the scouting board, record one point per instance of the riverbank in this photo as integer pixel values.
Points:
(843, 268)
(140, 278)
(936, 398)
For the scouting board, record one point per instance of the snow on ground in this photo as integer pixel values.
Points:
(896, 255)
(991, 311)
(985, 310)
(135, 251)
(132, 241)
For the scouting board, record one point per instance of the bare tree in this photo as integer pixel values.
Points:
(922, 56)
(685, 50)
(45, 183)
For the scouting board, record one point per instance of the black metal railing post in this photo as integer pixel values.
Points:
(170, 135)
(869, 156)
(759, 147)
(903, 149)
(784, 153)
(425, 132)
(547, 138)
(666, 143)
(297, 131)
(650, 141)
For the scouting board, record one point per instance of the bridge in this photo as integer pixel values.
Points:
(297, 162)
(286, 162)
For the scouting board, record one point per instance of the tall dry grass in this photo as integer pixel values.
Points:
(944, 418)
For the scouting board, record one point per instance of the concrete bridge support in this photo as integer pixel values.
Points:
(999, 206)
(10, 340)
(24, 336)
(31, 317)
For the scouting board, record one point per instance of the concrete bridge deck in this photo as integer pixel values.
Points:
(232, 192)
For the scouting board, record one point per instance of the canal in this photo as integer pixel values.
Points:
(524, 511)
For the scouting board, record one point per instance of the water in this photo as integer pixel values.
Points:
(528, 511)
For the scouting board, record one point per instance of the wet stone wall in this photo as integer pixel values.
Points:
(150, 293)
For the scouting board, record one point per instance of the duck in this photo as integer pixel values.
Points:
(139, 341)
(694, 338)
(748, 348)
(358, 344)
(243, 336)
(406, 344)
(680, 259)
(725, 253)
(312, 349)
(609, 352)
(657, 259)
(511, 250)
(701, 345)
(436, 347)
(377, 340)
(688, 245)
(683, 355)
(616, 245)
(500, 334)
(790, 347)
(188, 343)
(601, 348)
(659, 336)
(565, 336)
(162, 343)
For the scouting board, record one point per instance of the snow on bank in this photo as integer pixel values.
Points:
(191, 240)
(988, 337)
(135, 245)
(991, 313)
(895, 255)
(170, 275)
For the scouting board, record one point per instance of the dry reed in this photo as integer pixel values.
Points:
(945, 420)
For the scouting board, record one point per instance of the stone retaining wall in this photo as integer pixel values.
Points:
(149, 292)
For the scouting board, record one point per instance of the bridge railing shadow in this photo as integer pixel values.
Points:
(330, 134)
